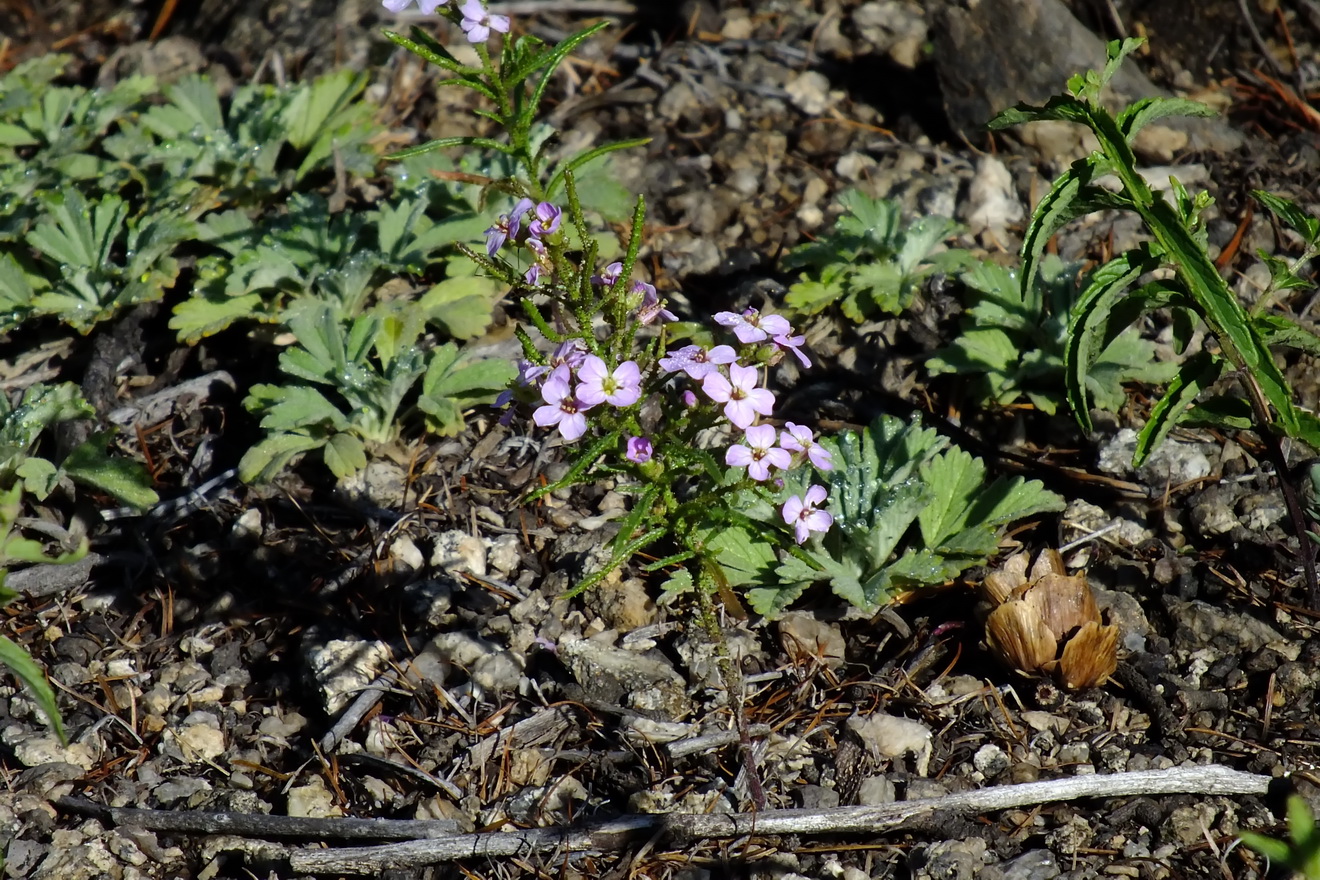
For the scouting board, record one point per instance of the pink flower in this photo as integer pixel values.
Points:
(760, 454)
(741, 398)
(793, 344)
(696, 361)
(568, 354)
(752, 326)
(562, 407)
(797, 438)
(547, 220)
(598, 385)
(608, 275)
(478, 23)
(805, 516)
(426, 6)
(639, 450)
(508, 225)
(541, 266)
(652, 306)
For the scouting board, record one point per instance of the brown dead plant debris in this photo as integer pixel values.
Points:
(1046, 622)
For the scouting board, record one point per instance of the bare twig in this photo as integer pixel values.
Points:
(258, 825)
(681, 828)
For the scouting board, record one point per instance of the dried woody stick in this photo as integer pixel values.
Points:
(681, 828)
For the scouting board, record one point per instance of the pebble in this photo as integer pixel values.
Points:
(34, 749)
(620, 677)
(343, 667)
(809, 91)
(312, 800)
(806, 638)
(457, 550)
(200, 737)
(889, 736)
(992, 201)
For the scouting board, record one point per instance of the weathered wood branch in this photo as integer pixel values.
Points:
(682, 828)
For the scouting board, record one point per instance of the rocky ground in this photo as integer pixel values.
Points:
(212, 657)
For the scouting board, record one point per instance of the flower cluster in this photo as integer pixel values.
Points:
(761, 448)
(477, 23)
(565, 405)
(545, 221)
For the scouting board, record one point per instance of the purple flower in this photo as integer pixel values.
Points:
(639, 450)
(797, 438)
(805, 516)
(608, 276)
(652, 306)
(562, 407)
(541, 266)
(508, 225)
(547, 220)
(426, 6)
(793, 344)
(569, 354)
(478, 23)
(696, 361)
(760, 454)
(741, 398)
(689, 398)
(598, 385)
(752, 326)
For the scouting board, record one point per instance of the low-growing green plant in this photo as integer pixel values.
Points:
(1124, 289)
(100, 190)
(16, 548)
(910, 510)
(871, 262)
(41, 408)
(1014, 345)
(22, 471)
(367, 366)
(1301, 851)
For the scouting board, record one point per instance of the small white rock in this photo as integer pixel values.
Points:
(809, 91)
(888, 736)
(313, 801)
(458, 551)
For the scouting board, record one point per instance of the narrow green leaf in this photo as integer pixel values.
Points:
(1088, 324)
(1291, 215)
(20, 662)
(442, 143)
(1146, 110)
(1059, 108)
(1195, 375)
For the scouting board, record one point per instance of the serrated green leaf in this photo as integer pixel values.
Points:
(1291, 214)
(1143, 111)
(1059, 108)
(265, 460)
(288, 407)
(205, 314)
(1089, 321)
(1221, 411)
(746, 558)
(344, 455)
(126, 481)
(39, 476)
(461, 306)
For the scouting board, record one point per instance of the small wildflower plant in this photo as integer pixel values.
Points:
(683, 415)
(686, 426)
